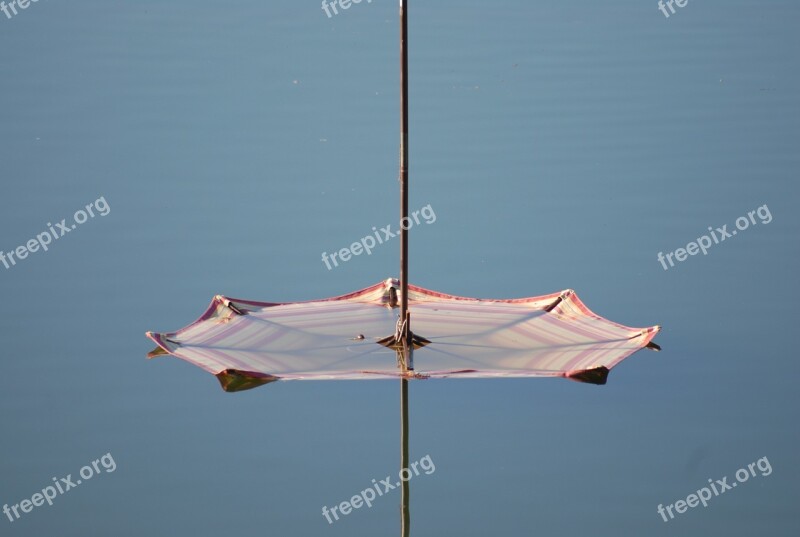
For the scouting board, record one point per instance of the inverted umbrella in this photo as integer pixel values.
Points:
(247, 344)
(368, 334)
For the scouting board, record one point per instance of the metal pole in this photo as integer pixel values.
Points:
(405, 513)
(404, 168)
(405, 518)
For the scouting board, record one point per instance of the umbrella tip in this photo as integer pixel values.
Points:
(228, 303)
(159, 350)
(155, 353)
(235, 380)
(596, 375)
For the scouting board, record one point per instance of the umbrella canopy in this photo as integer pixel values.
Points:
(247, 344)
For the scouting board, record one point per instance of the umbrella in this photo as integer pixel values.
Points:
(248, 344)
(367, 334)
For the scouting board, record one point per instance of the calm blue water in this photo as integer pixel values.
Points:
(561, 145)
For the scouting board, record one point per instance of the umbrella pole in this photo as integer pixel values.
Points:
(406, 345)
(404, 169)
(405, 518)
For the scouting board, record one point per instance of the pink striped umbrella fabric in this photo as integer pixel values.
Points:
(247, 344)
